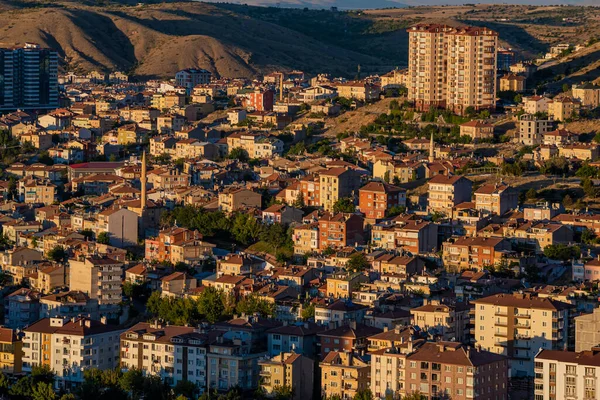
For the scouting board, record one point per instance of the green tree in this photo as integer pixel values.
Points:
(415, 396)
(211, 304)
(239, 154)
(357, 262)
(308, 311)
(57, 254)
(386, 176)
(588, 187)
(246, 229)
(4, 383)
(531, 194)
(299, 202)
(567, 201)
(45, 158)
(68, 396)
(254, 304)
(103, 238)
(283, 392)
(22, 388)
(345, 205)
(185, 388)
(561, 252)
(43, 391)
(363, 394)
(394, 211)
(87, 233)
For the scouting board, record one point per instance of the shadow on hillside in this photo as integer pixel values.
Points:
(515, 35)
(114, 44)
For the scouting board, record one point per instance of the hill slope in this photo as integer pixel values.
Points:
(232, 40)
(157, 40)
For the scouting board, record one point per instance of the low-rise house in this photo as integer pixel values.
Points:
(477, 130)
(281, 214)
(235, 199)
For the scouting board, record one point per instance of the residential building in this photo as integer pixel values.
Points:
(587, 332)
(288, 369)
(376, 198)
(120, 224)
(449, 322)
(414, 236)
(518, 325)
(21, 308)
(69, 347)
(536, 104)
(532, 129)
(336, 183)
(477, 130)
(564, 108)
(566, 375)
(358, 90)
(235, 199)
(453, 370)
(30, 78)
(343, 374)
(261, 100)
(98, 277)
(447, 191)
(497, 198)
(343, 310)
(453, 68)
(588, 94)
(300, 338)
(351, 337)
(11, 352)
(478, 253)
(173, 353)
(191, 77)
(340, 230)
(512, 83)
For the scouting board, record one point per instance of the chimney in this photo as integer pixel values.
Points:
(385, 328)
(352, 324)
(103, 320)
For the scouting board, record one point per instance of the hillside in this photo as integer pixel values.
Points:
(232, 40)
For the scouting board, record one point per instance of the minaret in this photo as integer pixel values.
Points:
(143, 182)
(431, 150)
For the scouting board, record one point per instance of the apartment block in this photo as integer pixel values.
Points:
(11, 352)
(452, 68)
(567, 375)
(30, 78)
(452, 370)
(532, 129)
(449, 321)
(343, 375)
(98, 277)
(447, 191)
(336, 183)
(376, 198)
(173, 353)
(518, 325)
(340, 230)
(288, 370)
(497, 198)
(70, 346)
(588, 94)
(587, 331)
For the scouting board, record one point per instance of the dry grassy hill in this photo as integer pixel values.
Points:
(152, 40)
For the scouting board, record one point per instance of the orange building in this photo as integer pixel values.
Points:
(375, 198)
(340, 230)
